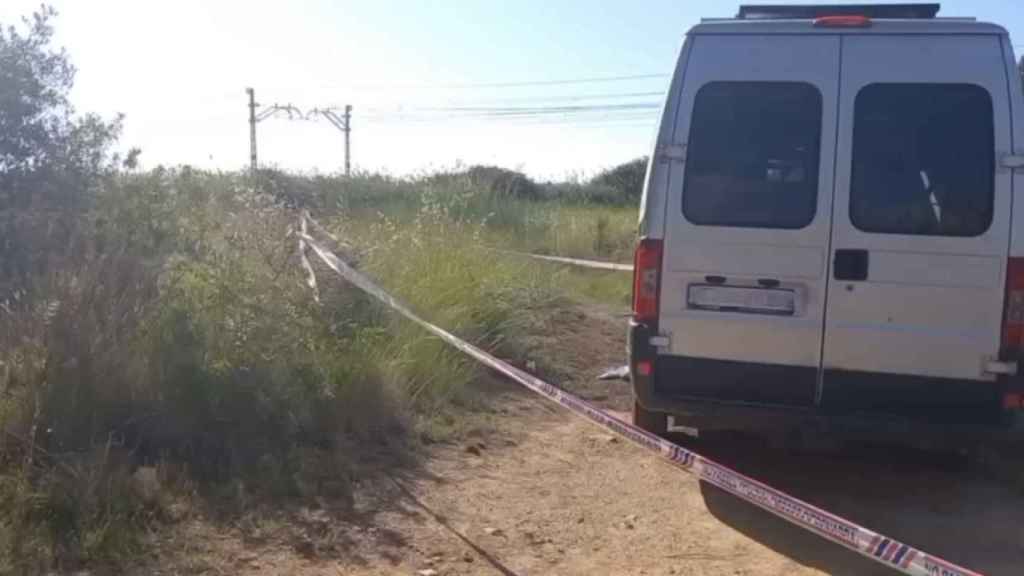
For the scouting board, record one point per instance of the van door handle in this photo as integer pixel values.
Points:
(850, 265)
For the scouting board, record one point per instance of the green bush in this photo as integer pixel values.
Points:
(181, 333)
(626, 180)
(502, 182)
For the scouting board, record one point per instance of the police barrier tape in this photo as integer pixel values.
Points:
(884, 550)
(598, 264)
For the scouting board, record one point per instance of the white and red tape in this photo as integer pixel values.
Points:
(597, 264)
(875, 546)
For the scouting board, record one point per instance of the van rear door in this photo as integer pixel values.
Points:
(747, 219)
(921, 224)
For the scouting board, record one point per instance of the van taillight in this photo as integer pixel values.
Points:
(646, 280)
(1013, 309)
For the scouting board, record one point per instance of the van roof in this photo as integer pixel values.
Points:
(884, 19)
(878, 26)
(791, 11)
(796, 11)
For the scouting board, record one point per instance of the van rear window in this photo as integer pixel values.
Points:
(923, 159)
(752, 155)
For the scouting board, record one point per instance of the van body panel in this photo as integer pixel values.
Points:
(656, 180)
(749, 260)
(789, 260)
(940, 270)
(1016, 95)
(931, 303)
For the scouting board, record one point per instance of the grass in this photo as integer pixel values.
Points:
(478, 219)
(177, 334)
(577, 231)
(552, 226)
(612, 289)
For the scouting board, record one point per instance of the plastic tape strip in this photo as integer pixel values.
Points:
(573, 261)
(877, 547)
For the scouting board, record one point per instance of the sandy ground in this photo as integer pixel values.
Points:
(539, 491)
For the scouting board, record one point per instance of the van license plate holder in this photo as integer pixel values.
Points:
(749, 299)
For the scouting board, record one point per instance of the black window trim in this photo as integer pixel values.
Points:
(813, 213)
(992, 163)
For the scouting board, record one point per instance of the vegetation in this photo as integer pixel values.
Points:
(627, 180)
(157, 339)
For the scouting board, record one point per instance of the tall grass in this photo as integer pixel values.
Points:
(486, 223)
(558, 218)
(178, 335)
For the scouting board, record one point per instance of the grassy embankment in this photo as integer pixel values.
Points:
(175, 337)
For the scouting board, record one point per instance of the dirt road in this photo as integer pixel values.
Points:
(547, 493)
(565, 498)
(539, 491)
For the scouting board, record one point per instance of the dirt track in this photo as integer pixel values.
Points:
(547, 493)
(538, 491)
(569, 499)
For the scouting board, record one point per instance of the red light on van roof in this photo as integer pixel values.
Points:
(842, 21)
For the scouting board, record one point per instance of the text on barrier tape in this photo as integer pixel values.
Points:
(877, 547)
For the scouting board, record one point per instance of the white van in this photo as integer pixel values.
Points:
(828, 232)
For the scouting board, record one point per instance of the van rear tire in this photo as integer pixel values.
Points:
(654, 422)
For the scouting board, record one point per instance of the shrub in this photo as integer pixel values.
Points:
(492, 181)
(502, 182)
(181, 333)
(50, 159)
(627, 181)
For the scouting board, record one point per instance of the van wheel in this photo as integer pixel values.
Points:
(653, 422)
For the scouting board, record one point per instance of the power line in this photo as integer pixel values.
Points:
(566, 98)
(592, 115)
(610, 121)
(519, 120)
(594, 80)
(491, 112)
(578, 122)
(437, 113)
(512, 100)
(511, 84)
(514, 110)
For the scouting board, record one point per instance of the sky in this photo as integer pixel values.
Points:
(555, 88)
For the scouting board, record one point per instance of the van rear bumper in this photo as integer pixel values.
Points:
(717, 395)
(709, 415)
